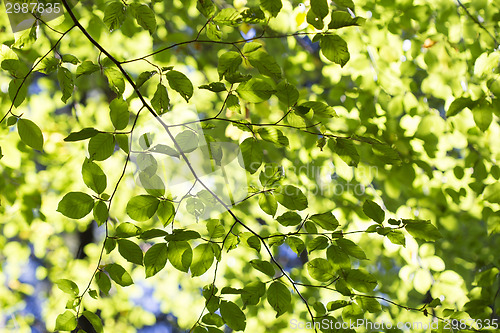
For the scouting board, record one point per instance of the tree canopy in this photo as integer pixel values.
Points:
(250, 165)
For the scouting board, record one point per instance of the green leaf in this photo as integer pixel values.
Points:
(94, 320)
(119, 114)
(119, 275)
(342, 19)
(66, 83)
(86, 67)
(69, 58)
(264, 266)
(130, 251)
(152, 184)
(335, 305)
(206, 8)
(101, 213)
(127, 229)
(287, 93)
(18, 91)
(273, 135)
(252, 155)
(459, 104)
(76, 205)
(373, 211)
(93, 176)
(213, 319)
(351, 248)
(101, 146)
(268, 203)
(320, 7)
(255, 90)
(334, 48)
(155, 259)
(66, 321)
(214, 86)
(386, 153)
(160, 100)
(289, 219)
(254, 243)
(296, 244)
(146, 18)
(369, 304)
(422, 229)
(180, 255)
(187, 141)
(114, 15)
(30, 134)
(320, 269)
(483, 115)
(182, 235)
(68, 286)
(345, 3)
(264, 63)
(165, 212)
(215, 229)
(103, 282)
(291, 197)
(180, 83)
(228, 16)
(233, 316)
(142, 207)
(326, 221)
(279, 297)
(82, 134)
(153, 233)
(228, 63)
(203, 257)
(115, 80)
(346, 150)
(317, 243)
(337, 257)
(492, 193)
(360, 280)
(273, 7)
(397, 237)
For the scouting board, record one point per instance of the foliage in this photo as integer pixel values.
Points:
(353, 152)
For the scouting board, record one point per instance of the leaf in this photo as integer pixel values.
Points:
(30, 134)
(146, 18)
(279, 297)
(215, 229)
(265, 63)
(215, 87)
(18, 91)
(483, 115)
(180, 255)
(346, 150)
(101, 213)
(268, 203)
(326, 221)
(492, 193)
(386, 153)
(317, 243)
(287, 93)
(264, 266)
(160, 100)
(152, 184)
(289, 219)
(228, 16)
(422, 229)
(320, 269)
(115, 80)
(130, 251)
(334, 48)
(335, 305)
(119, 275)
(351, 248)
(206, 8)
(273, 135)
(66, 321)
(142, 207)
(114, 15)
(86, 67)
(255, 90)
(155, 259)
(180, 83)
(76, 205)
(94, 320)
(291, 197)
(187, 141)
(68, 286)
(119, 114)
(296, 244)
(233, 316)
(127, 229)
(203, 257)
(93, 176)
(228, 63)
(101, 146)
(342, 19)
(103, 282)
(337, 257)
(254, 243)
(369, 304)
(459, 104)
(373, 211)
(69, 58)
(82, 134)
(165, 212)
(360, 280)
(65, 82)
(251, 155)
(320, 7)
(397, 237)
(273, 7)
